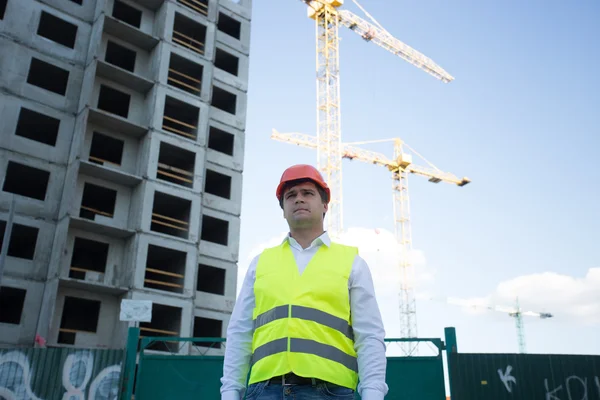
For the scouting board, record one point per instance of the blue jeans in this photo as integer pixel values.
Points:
(320, 391)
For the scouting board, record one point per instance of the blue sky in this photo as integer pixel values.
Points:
(520, 120)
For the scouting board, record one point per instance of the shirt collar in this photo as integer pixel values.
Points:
(324, 239)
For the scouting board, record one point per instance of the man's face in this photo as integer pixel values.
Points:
(303, 206)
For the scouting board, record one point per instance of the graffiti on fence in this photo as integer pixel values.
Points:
(77, 377)
(571, 384)
(524, 376)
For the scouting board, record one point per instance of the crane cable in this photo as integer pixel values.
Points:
(370, 16)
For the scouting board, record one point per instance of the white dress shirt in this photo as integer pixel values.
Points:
(368, 328)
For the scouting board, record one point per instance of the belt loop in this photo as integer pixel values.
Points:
(313, 381)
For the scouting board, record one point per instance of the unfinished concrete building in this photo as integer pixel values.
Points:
(122, 143)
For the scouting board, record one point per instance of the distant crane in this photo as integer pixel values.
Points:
(400, 166)
(329, 136)
(516, 312)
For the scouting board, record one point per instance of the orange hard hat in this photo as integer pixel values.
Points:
(302, 171)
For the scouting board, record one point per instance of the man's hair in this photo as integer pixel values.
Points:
(290, 184)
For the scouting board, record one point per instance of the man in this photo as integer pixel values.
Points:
(306, 323)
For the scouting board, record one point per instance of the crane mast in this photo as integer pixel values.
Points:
(329, 136)
(402, 230)
(519, 325)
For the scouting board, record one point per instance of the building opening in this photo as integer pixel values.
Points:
(88, 256)
(127, 14)
(185, 74)
(189, 33)
(2, 8)
(120, 56)
(180, 118)
(227, 62)
(114, 101)
(106, 149)
(218, 184)
(220, 141)
(11, 305)
(211, 279)
(229, 26)
(165, 269)
(26, 181)
(200, 6)
(48, 76)
(23, 240)
(97, 200)
(215, 230)
(223, 100)
(176, 165)
(37, 126)
(166, 321)
(78, 315)
(208, 328)
(171, 215)
(58, 30)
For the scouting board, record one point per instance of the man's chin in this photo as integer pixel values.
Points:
(301, 218)
(302, 221)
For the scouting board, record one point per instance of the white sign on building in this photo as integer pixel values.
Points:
(136, 310)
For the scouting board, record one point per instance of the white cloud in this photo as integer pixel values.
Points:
(382, 253)
(566, 297)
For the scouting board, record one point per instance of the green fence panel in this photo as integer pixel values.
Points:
(57, 373)
(418, 378)
(179, 377)
(174, 376)
(190, 377)
(524, 377)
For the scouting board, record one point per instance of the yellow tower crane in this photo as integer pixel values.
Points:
(328, 18)
(401, 165)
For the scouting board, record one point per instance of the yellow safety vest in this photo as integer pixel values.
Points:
(302, 323)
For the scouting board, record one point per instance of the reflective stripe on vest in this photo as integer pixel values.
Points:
(309, 314)
(306, 346)
(302, 321)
